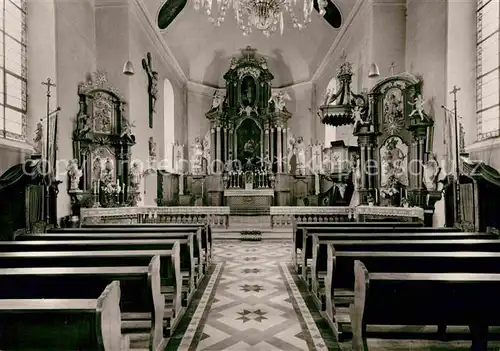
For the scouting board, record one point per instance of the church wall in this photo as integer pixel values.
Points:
(75, 57)
(303, 118)
(462, 72)
(140, 43)
(426, 38)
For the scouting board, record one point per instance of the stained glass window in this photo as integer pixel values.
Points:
(13, 69)
(487, 69)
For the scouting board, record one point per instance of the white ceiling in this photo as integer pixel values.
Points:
(203, 51)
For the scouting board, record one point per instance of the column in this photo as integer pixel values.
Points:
(230, 143)
(226, 144)
(271, 154)
(285, 150)
(266, 142)
(363, 166)
(279, 146)
(213, 154)
(370, 159)
(218, 150)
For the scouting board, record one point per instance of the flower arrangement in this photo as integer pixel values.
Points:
(112, 189)
(391, 189)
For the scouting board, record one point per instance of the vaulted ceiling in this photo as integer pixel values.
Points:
(203, 51)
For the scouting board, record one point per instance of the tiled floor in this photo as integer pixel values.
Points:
(255, 306)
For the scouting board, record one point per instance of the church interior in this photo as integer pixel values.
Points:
(254, 156)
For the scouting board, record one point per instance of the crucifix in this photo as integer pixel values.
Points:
(454, 92)
(48, 179)
(392, 66)
(152, 86)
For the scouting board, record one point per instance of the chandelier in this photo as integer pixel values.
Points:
(263, 15)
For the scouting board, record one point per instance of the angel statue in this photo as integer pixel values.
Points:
(127, 128)
(329, 96)
(217, 100)
(419, 107)
(279, 100)
(356, 113)
(38, 139)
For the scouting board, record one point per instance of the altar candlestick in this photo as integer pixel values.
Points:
(376, 195)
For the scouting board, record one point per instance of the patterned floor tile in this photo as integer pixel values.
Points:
(254, 306)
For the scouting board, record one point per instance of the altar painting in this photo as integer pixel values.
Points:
(394, 162)
(102, 112)
(103, 166)
(249, 143)
(393, 115)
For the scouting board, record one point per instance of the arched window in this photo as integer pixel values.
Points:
(487, 69)
(13, 69)
(330, 131)
(169, 124)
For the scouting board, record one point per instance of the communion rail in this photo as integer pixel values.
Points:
(215, 216)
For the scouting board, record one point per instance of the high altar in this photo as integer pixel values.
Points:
(244, 157)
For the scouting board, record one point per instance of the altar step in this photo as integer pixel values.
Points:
(262, 224)
(249, 211)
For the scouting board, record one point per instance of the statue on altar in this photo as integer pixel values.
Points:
(218, 100)
(418, 107)
(198, 157)
(356, 180)
(300, 153)
(279, 99)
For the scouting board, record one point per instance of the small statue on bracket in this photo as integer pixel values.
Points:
(74, 174)
(418, 107)
(38, 139)
(127, 128)
(278, 99)
(152, 147)
(218, 100)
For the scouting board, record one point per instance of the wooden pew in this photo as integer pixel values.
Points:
(195, 229)
(298, 228)
(306, 252)
(141, 304)
(206, 230)
(171, 281)
(189, 252)
(63, 324)
(319, 248)
(339, 279)
(463, 299)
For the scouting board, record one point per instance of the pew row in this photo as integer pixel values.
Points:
(63, 324)
(299, 226)
(205, 228)
(307, 251)
(461, 299)
(319, 248)
(170, 278)
(200, 236)
(338, 290)
(141, 303)
(189, 253)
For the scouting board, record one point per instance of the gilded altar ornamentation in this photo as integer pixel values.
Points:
(394, 119)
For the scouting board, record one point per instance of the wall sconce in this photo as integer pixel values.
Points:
(128, 68)
(374, 71)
